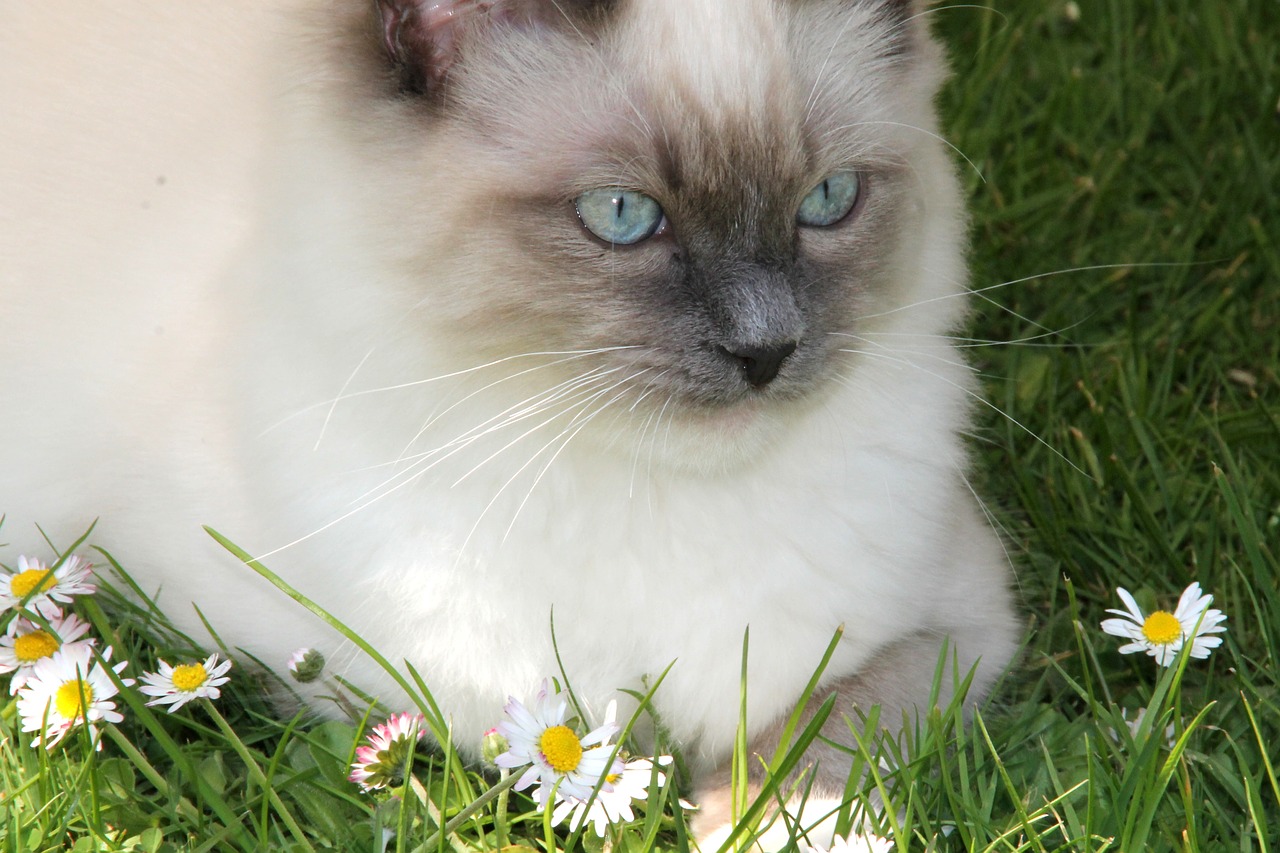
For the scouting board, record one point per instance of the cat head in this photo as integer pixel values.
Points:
(713, 194)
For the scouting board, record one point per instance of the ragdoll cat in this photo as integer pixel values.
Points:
(461, 313)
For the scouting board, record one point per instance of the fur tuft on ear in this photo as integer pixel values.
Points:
(424, 38)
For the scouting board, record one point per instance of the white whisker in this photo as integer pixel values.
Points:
(560, 449)
(492, 425)
(961, 294)
(533, 457)
(983, 400)
(329, 415)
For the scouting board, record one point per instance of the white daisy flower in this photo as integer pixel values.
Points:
(539, 737)
(855, 843)
(66, 689)
(47, 587)
(26, 643)
(175, 686)
(612, 806)
(1162, 634)
(1134, 724)
(381, 761)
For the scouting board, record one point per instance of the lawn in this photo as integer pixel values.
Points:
(1122, 161)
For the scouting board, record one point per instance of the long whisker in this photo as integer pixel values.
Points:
(962, 342)
(442, 377)
(561, 448)
(929, 133)
(425, 461)
(581, 406)
(1052, 273)
(920, 351)
(657, 425)
(504, 413)
(811, 103)
(635, 457)
(329, 415)
(984, 401)
(592, 395)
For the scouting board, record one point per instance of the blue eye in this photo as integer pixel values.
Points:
(619, 216)
(830, 201)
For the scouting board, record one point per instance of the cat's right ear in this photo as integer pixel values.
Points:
(421, 37)
(424, 38)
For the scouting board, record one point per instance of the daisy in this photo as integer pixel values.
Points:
(47, 587)
(26, 643)
(175, 686)
(855, 843)
(65, 689)
(1134, 724)
(1162, 634)
(558, 760)
(612, 806)
(306, 665)
(388, 750)
(492, 745)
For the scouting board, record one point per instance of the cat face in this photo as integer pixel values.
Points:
(712, 194)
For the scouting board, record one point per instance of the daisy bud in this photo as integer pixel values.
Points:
(306, 665)
(492, 745)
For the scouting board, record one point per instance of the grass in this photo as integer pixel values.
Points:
(1124, 250)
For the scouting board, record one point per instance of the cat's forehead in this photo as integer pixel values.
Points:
(768, 84)
(667, 91)
(737, 53)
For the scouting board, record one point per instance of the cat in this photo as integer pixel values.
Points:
(468, 315)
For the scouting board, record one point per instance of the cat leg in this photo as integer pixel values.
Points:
(899, 679)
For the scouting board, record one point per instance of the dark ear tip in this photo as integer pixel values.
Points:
(410, 38)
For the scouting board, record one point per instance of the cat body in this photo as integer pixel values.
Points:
(368, 337)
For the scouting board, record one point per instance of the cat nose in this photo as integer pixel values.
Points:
(761, 364)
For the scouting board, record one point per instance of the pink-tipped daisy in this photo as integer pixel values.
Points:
(66, 689)
(538, 737)
(1163, 634)
(388, 751)
(175, 686)
(45, 588)
(27, 642)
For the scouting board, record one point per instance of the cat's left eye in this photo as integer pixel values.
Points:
(830, 201)
(619, 216)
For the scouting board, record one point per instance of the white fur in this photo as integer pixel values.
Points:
(216, 358)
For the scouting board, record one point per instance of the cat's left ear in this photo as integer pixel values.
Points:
(424, 38)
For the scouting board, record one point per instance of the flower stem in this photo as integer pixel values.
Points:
(500, 819)
(466, 814)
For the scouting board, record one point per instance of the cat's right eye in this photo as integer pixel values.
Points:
(619, 216)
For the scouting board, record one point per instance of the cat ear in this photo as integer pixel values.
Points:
(423, 38)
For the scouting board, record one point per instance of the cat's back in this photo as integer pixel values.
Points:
(127, 171)
(125, 127)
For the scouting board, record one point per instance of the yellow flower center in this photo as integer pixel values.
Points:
(31, 647)
(189, 676)
(68, 699)
(561, 748)
(24, 583)
(1162, 628)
